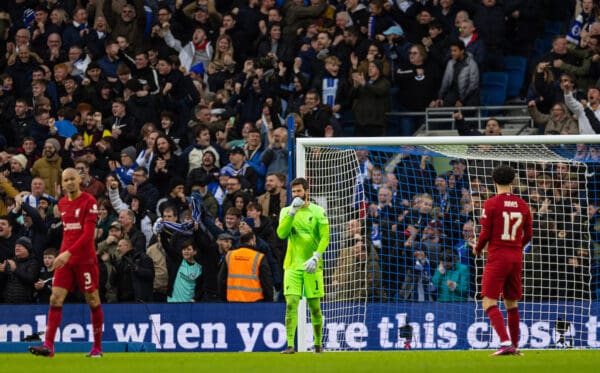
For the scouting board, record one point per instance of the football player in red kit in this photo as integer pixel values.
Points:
(506, 227)
(77, 264)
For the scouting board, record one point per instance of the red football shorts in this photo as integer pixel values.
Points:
(504, 278)
(85, 276)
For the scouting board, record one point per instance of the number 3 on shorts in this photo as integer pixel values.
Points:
(88, 280)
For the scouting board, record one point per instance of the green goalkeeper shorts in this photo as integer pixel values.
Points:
(294, 281)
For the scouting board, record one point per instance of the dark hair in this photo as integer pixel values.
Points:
(255, 205)
(8, 219)
(300, 181)
(187, 243)
(503, 175)
(50, 251)
(281, 177)
(246, 238)
(459, 44)
(501, 124)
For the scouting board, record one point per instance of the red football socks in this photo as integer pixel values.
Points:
(54, 319)
(498, 322)
(97, 322)
(513, 325)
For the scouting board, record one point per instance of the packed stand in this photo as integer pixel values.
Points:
(173, 113)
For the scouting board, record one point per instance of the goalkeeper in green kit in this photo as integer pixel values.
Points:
(306, 228)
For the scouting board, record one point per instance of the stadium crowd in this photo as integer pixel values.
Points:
(172, 112)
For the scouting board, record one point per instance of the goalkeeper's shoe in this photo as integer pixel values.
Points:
(288, 351)
(94, 353)
(504, 350)
(41, 350)
(318, 349)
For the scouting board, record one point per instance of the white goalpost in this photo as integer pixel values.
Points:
(401, 207)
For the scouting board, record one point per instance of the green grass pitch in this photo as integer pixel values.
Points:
(548, 361)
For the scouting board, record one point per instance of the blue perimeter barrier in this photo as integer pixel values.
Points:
(259, 327)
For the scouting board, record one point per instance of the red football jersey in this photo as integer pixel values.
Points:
(79, 223)
(506, 224)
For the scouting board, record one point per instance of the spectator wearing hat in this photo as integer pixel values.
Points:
(239, 279)
(396, 48)
(370, 100)
(175, 197)
(91, 81)
(122, 125)
(107, 253)
(451, 278)
(239, 167)
(33, 226)
(19, 273)
(209, 202)
(19, 175)
(49, 167)
(124, 169)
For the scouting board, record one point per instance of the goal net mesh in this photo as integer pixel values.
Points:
(398, 214)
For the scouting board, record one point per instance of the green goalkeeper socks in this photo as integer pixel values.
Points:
(291, 318)
(316, 319)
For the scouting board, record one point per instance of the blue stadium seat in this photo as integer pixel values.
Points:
(541, 45)
(515, 67)
(553, 28)
(493, 88)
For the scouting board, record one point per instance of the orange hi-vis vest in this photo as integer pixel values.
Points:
(243, 283)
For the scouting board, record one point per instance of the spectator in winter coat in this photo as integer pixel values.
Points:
(460, 84)
(19, 273)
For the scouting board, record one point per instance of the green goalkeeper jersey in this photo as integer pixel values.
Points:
(307, 232)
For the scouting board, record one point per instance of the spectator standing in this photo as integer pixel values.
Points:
(43, 286)
(187, 286)
(370, 96)
(245, 275)
(460, 83)
(49, 167)
(134, 274)
(451, 279)
(20, 273)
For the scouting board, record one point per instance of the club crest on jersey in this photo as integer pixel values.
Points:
(77, 212)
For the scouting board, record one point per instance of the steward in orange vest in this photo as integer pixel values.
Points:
(245, 275)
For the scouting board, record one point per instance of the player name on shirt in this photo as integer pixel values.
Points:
(510, 204)
(72, 226)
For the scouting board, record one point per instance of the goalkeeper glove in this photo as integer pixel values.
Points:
(310, 266)
(296, 204)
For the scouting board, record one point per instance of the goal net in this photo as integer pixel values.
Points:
(404, 213)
